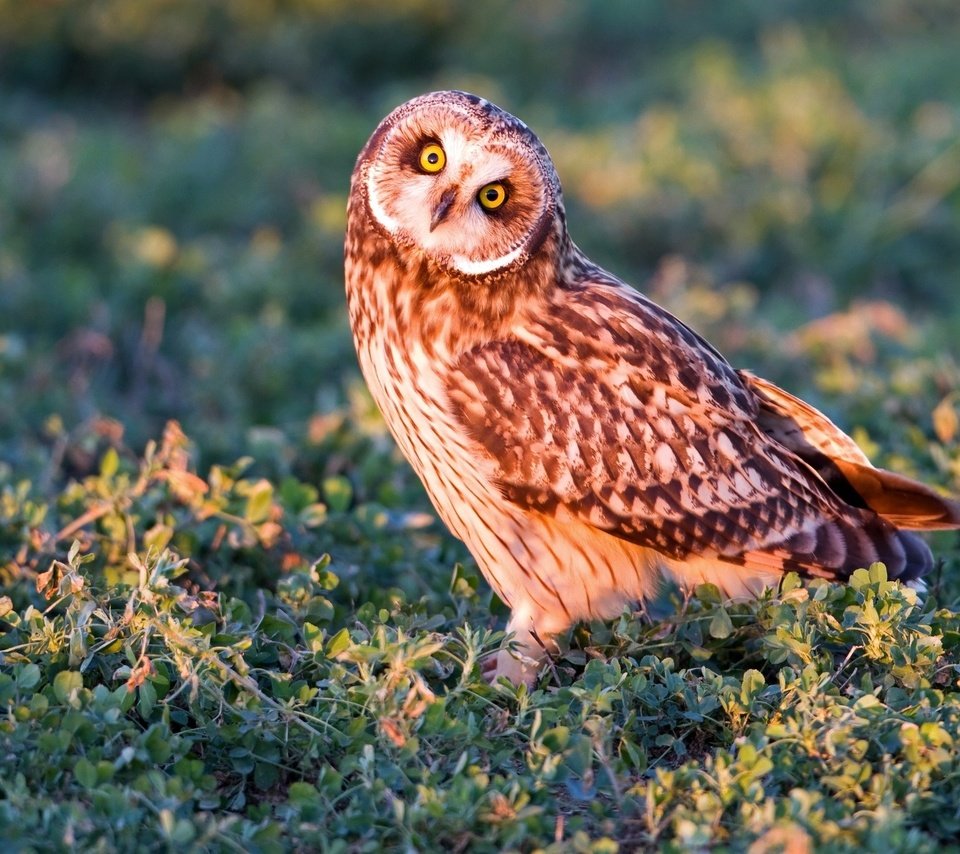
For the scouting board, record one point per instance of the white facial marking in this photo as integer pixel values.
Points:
(479, 268)
(376, 208)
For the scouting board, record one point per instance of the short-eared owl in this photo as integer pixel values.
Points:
(583, 442)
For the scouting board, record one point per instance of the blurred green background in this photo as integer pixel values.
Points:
(173, 177)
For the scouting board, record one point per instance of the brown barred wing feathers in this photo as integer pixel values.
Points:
(612, 411)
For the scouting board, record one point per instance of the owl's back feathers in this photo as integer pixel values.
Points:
(613, 411)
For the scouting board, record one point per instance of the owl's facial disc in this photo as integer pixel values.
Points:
(463, 182)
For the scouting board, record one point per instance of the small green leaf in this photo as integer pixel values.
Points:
(339, 493)
(265, 775)
(183, 832)
(85, 772)
(556, 739)
(463, 582)
(791, 581)
(109, 463)
(878, 573)
(146, 699)
(751, 686)
(297, 496)
(313, 515)
(313, 635)
(259, 503)
(338, 643)
(721, 626)
(709, 594)
(158, 743)
(28, 676)
(302, 793)
(66, 683)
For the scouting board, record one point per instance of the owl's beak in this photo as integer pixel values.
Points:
(443, 207)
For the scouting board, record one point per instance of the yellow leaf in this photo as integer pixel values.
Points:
(946, 423)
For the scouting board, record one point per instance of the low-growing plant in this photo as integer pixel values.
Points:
(197, 663)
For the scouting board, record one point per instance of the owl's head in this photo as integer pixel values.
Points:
(461, 180)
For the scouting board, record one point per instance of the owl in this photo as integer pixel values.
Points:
(584, 443)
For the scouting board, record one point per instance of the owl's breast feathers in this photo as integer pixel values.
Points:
(606, 407)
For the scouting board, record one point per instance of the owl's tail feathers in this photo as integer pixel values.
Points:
(905, 554)
(919, 559)
(837, 546)
(900, 500)
(815, 439)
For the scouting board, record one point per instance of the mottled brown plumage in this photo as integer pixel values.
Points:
(583, 442)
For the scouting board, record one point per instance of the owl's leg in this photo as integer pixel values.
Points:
(519, 663)
(522, 655)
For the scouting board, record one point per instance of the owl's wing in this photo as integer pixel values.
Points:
(613, 410)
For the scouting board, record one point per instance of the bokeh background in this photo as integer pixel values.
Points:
(174, 173)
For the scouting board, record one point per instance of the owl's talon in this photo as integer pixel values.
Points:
(516, 668)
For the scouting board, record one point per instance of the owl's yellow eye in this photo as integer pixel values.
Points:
(432, 158)
(492, 196)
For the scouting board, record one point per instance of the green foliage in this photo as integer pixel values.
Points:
(262, 640)
(196, 669)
